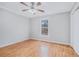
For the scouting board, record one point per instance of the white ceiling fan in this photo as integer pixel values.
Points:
(32, 7)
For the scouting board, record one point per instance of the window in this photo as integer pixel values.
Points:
(44, 27)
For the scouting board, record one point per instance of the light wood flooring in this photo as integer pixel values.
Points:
(34, 48)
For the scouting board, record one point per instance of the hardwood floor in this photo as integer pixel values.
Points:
(34, 48)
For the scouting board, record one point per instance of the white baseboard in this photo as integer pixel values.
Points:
(7, 44)
(46, 40)
(75, 49)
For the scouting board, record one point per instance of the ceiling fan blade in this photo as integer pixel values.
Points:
(24, 3)
(25, 9)
(38, 3)
(40, 10)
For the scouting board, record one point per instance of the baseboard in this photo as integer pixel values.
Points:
(46, 40)
(74, 50)
(1, 46)
(67, 44)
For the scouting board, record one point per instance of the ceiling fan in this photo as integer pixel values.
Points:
(32, 7)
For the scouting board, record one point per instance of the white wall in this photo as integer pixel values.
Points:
(75, 28)
(59, 28)
(13, 28)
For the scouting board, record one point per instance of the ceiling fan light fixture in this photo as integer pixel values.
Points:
(32, 11)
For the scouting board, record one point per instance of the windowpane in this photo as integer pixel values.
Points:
(44, 27)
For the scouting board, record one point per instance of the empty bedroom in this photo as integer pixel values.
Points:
(39, 29)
